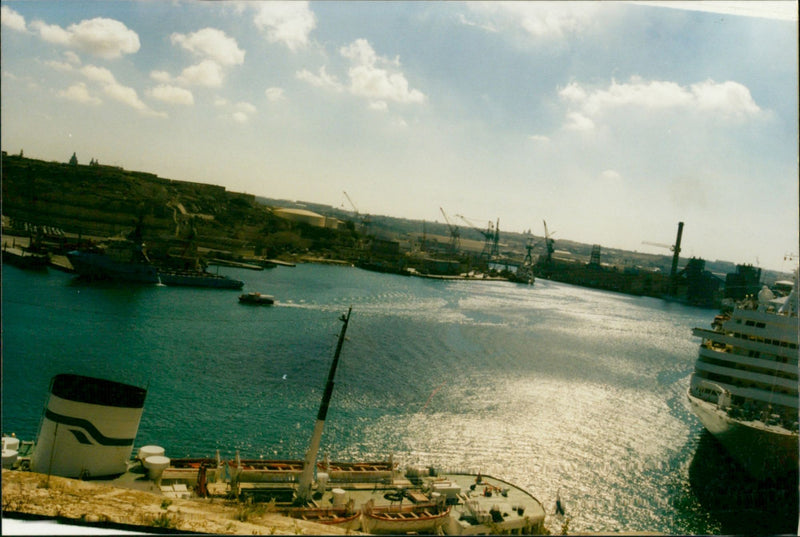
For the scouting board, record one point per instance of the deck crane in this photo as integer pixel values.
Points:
(454, 234)
(364, 218)
(491, 237)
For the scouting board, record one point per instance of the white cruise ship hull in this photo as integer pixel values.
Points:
(764, 451)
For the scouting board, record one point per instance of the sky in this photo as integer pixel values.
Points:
(611, 121)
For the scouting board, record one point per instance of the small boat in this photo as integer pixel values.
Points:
(271, 471)
(397, 520)
(346, 517)
(256, 298)
(197, 278)
(265, 471)
(559, 505)
(361, 472)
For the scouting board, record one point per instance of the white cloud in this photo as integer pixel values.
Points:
(274, 94)
(11, 19)
(246, 108)
(367, 78)
(540, 20)
(729, 99)
(72, 57)
(126, 95)
(360, 52)
(160, 76)
(79, 93)
(106, 38)
(323, 80)
(217, 50)
(578, 122)
(212, 44)
(51, 32)
(240, 117)
(171, 94)
(240, 112)
(289, 23)
(123, 94)
(206, 73)
(98, 74)
(64, 67)
(370, 81)
(610, 176)
(539, 138)
(488, 26)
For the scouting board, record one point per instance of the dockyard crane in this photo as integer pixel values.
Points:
(454, 234)
(365, 220)
(549, 243)
(676, 252)
(491, 237)
(659, 244)
(529, 246)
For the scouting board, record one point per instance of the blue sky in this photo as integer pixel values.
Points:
(612, 121)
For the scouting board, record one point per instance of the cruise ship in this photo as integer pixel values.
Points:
(744, 388)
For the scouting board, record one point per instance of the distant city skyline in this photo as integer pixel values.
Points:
(612, 121)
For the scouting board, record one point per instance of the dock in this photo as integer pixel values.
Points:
(235, 264)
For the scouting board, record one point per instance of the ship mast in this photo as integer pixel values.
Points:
(304, 486)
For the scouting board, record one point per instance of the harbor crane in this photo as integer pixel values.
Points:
(491, 237)
(529, 246)
(454, 234)
(365, 220)
(549, 243)
(676, 252)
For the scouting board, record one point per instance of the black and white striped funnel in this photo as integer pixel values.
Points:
(88, 427)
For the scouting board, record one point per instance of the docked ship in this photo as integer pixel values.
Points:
(120, 260)
(127, 261)
(23, 258)
(744, 388)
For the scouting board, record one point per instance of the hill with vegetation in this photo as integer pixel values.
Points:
(103, 201)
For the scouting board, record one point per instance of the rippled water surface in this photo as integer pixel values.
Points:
(552, 387)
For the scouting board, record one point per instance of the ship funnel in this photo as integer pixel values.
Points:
(88, 427)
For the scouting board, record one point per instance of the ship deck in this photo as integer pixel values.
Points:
(479, 504)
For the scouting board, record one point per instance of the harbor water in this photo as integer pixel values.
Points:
(559, 389)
